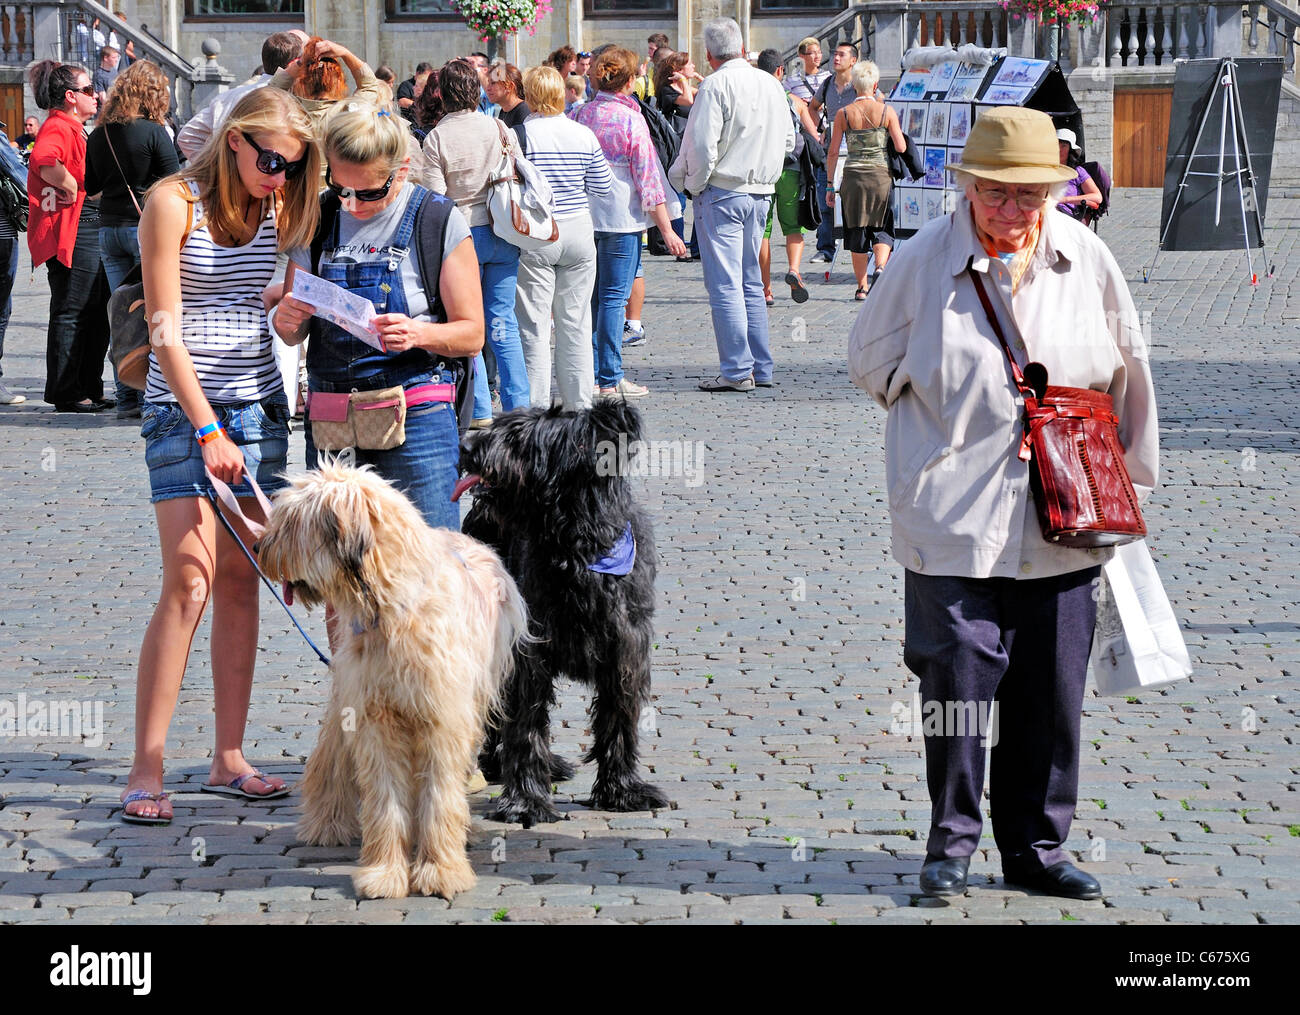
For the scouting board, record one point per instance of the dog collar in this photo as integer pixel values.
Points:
(620, 559)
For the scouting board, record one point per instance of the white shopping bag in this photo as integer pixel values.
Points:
(1137, 645)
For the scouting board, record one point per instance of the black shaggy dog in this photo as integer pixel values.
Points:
(552, 500)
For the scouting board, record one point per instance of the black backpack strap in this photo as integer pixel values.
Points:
(430, 246)
(329, 220)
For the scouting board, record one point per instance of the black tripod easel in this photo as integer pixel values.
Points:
(1226, 76)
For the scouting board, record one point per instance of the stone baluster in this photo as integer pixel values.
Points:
(1252, 29)
(1183, 13)
(1115, 21)
(995, 23)
(1290, 49)
(1167, 35)
(1149, 57)
(1202, 16)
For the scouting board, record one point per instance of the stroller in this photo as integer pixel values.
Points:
(1089, 216)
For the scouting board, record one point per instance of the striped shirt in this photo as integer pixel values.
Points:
(570, 158)
(223, 322)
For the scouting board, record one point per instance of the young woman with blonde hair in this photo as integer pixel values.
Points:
(214, 400)
(372, 240)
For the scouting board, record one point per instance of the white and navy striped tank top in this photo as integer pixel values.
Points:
(223, 322)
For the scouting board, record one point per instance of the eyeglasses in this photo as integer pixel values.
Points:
(998, 198)
(270, 162)
(368, 194)
(88, 90)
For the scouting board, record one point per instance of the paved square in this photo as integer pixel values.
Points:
(777, 668)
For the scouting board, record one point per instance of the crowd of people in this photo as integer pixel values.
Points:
(321, 165)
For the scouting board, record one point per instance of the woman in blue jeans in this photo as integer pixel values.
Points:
(635, 200)
(429, 314)
(128, 152)
(460, 156)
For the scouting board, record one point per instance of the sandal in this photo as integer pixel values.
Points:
(860, 295)
(235, 787)
(135, 796)
(769, 299)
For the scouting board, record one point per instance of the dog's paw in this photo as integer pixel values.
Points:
(327, 830)
(561, 769)
(515, 810)
(447, 880)
(381, 882)
(631, 796)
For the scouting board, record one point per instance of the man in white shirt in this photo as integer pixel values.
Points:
(732, 154)
(279, 50)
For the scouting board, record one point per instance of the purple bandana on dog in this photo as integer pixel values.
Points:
(620, 559)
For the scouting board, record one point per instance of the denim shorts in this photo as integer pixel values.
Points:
(175, 459)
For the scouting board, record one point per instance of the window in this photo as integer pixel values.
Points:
(798, 6)
(260, 10)
(421, 10)
(628, 8)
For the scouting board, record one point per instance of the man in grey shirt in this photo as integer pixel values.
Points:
(836, 92)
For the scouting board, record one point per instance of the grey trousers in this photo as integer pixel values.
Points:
(555, 283)
(1024, 644)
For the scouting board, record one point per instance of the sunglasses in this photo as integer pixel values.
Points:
(584, 56)
(88, 90)
(368, 194)
(270, 162)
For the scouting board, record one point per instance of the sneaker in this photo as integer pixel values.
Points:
(8, 397)
(721, 383)
(820, 258)
(633, 337)
(623, 388)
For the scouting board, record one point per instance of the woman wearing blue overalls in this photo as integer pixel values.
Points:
(427, 313)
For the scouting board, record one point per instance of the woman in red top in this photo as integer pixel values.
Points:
(63, 232)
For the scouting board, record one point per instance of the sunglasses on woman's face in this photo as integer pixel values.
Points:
(368, 194)
(270, 162)
(88, 90)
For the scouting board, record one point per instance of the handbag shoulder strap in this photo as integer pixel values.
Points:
(109, 141)
(1016, 372)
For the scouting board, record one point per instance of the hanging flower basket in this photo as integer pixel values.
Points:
(495, 19)
(1054, 12)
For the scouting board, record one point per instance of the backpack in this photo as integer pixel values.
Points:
(666, 141)
(13, 203)
(430, 233)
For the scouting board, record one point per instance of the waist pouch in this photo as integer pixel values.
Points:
(368, 420)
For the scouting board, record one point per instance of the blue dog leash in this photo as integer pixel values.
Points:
(220, 489)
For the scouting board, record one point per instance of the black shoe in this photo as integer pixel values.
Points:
(128, 412)
(1062, 879)
(77, 407)
(101, 404)
(945, 877)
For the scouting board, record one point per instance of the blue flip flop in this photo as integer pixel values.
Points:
(235, 787)
(137, 795)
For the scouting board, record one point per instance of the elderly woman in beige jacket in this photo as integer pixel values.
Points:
(993, 611)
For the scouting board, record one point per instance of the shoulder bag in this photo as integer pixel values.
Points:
(1077, 474)
(128, 330)
(521, 206)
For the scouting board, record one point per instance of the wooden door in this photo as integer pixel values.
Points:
(1141, 131)
(11, 109)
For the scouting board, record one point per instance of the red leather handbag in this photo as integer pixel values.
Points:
(1077, 474)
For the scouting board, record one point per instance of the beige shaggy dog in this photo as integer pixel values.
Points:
(426, 620)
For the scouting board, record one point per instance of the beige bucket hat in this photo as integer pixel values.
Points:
(1011, 144)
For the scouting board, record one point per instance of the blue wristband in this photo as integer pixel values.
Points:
(207, 433)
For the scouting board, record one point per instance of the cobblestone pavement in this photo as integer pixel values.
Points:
(776, 671)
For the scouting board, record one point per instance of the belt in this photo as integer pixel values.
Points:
(416, 395)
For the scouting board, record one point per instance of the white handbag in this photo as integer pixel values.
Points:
(1137, 644)
(521, 204)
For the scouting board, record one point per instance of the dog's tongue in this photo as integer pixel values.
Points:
(463, 484)
(287, 591)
